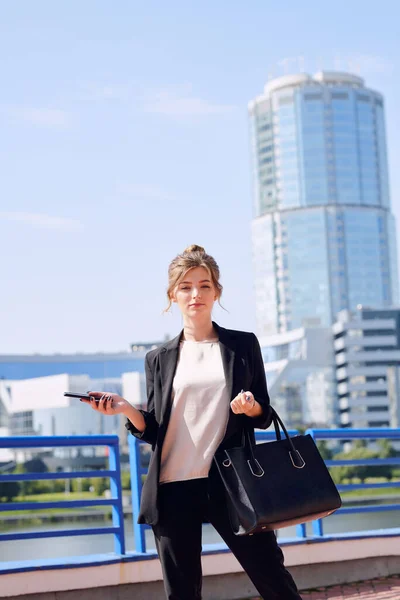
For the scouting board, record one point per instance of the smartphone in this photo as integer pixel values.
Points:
(74, 395)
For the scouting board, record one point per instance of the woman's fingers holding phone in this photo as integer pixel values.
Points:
(93, 401)
(107, 403)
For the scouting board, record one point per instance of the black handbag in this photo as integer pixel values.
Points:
(276, 484)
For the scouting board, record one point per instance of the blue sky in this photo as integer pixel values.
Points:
(124, 138)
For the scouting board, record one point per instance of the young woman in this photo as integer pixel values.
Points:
(196, 405)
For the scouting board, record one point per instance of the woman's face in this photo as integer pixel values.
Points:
(195, 294)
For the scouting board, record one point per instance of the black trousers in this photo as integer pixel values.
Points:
(184, 506)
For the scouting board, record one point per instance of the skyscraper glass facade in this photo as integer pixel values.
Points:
(323, 234)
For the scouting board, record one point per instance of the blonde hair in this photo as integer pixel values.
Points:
(193, 256)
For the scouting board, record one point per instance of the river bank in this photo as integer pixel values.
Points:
(29, 519)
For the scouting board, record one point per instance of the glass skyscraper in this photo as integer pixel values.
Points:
(323, 234)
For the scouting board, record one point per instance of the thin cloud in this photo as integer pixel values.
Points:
(43, 221)
(43, 117)
(172, 101)
(180, 103)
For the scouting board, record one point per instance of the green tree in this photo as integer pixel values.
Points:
(9, 490)
(126, 480)
(361, 472)
(27, 488)
(360, 443)
(324, 450)
(35, 465)
(386, 449)
(101, 485)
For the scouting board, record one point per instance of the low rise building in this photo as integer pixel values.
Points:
(367, 356)
(301, 377)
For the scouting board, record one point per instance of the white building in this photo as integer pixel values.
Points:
(300, 376)
(38, 406)
(367, 354)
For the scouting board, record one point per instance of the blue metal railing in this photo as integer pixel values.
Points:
(356, 434)
(113, 472)
(138, 471)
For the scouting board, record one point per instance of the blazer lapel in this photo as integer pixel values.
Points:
(168, 361)
(228, 348)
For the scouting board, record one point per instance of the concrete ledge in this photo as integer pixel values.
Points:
(235, 586)
(312, 564)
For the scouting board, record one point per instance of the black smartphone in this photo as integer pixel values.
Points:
(74, 395)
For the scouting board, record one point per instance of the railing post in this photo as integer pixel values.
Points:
(317, 527)
(301, 530)
(116, 492)
(136, 489)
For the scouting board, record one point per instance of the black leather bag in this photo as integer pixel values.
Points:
(276, 484)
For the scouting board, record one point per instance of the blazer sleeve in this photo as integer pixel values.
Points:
(149, 434)
(259, 388)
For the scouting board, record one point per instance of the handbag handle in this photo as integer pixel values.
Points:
(254, 465)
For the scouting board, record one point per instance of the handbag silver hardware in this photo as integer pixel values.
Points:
(259, 466)
(302, 460)
(227, 462)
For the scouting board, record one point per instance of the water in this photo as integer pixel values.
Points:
(99, 544)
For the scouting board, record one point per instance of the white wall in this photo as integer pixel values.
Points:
(40, 392)
(53, 413)
(133, 388)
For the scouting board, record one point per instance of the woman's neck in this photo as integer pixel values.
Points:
(198, 332)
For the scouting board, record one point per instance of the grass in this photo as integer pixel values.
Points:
(54, 497)
(370, 492)
(62, 497)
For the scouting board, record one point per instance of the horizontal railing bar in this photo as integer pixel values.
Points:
(54, 441)
(59, 475)
(29, 535)
(366, 509)
(7, 506)
(353, 434)
(361, 486)
(262, 434)
(367, 462)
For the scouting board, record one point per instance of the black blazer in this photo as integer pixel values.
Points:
(244, 369)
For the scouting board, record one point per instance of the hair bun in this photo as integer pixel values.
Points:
(194, 248)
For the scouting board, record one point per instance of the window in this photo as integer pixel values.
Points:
(265, 149)
(312, 96)
(340, 95)
(286, 100)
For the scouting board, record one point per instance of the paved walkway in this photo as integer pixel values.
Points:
(384, 588)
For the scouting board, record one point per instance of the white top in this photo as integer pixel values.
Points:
(199, 413)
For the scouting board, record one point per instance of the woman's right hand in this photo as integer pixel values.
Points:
(107, 403)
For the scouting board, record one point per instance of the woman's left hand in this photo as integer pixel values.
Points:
(243, 403)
